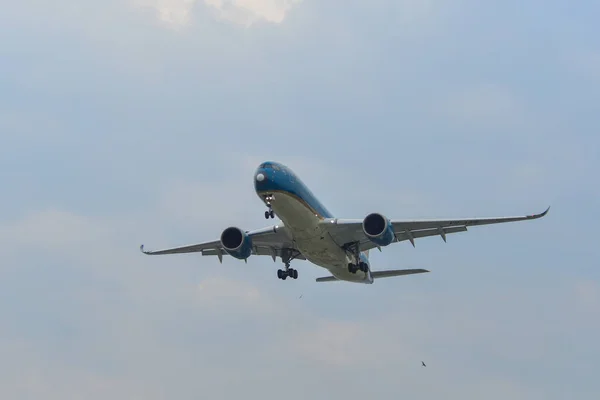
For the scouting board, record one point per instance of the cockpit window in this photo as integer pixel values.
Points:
(269, 164)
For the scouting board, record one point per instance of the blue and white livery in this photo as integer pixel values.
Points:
(308, 231)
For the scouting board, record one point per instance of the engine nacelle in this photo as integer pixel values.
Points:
(378, 229)
(236, 243)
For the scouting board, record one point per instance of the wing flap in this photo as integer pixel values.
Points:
(401, 236)
(257, 251)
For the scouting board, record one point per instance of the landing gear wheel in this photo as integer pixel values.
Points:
(269, 214)
(288, 272)
(360, 265)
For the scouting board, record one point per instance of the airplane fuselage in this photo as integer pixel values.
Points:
(289, 198)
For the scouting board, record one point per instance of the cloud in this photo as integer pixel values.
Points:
(218, 292)
(124, 162)
(178, 13)
(248, 12)
(333, 343)
(133, 310)
(174, 13)
(409, 12)
(193, 202)
(55, 230)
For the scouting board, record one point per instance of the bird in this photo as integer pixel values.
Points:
(300, 297)
(423, 364)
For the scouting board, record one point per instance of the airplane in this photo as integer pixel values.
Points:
(308, 231)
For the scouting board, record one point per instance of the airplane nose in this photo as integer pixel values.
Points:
(262, 179)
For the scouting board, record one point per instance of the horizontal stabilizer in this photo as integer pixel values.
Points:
(380, 274)
(327, 279)
(396, 272)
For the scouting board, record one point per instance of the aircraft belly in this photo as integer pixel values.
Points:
(323, 252)
(310, 238)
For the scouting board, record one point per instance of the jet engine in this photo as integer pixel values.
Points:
(236, 243)
(378, 229)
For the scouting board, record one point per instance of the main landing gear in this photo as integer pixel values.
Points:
(283, 274)
(359, 265)
(269, 212)
(292, 273)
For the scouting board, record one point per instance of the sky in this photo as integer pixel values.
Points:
(142, 121)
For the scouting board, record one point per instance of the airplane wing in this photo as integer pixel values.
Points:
(271, 241)
(347, 231)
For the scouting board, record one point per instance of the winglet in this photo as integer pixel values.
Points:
(543, 214)
(142, 250)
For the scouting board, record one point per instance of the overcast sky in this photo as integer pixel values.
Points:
(141, 121)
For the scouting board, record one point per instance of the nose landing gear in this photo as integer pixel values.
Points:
(269, 213)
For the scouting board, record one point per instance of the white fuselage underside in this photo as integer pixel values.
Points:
(312, 240)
